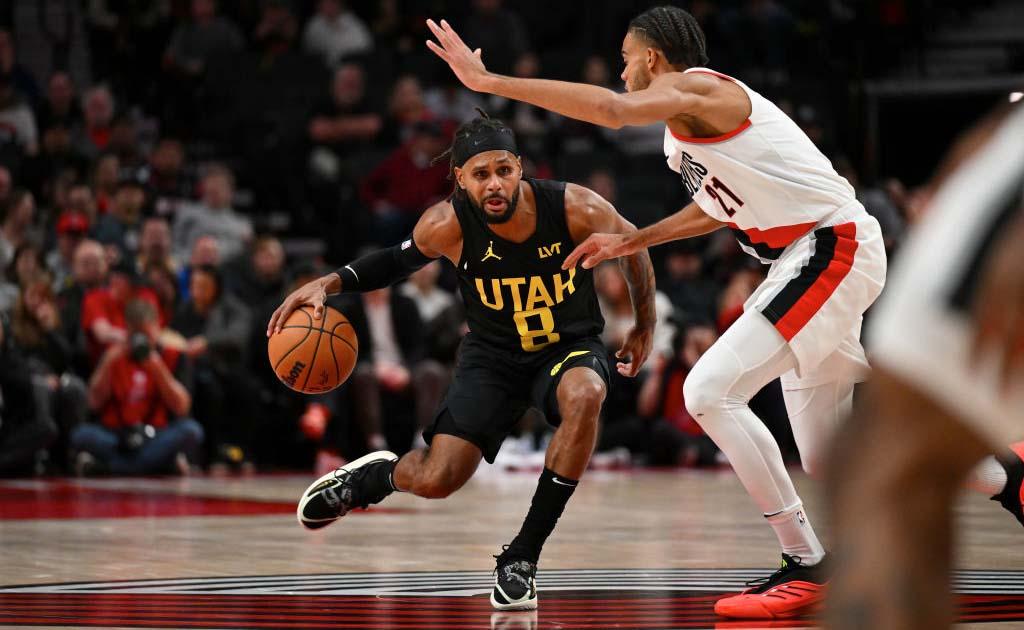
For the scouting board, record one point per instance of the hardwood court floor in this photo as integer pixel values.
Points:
(635, 549)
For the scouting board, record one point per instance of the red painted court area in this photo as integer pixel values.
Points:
(66, 500)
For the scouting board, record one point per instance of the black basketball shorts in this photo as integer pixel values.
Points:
(493, 387)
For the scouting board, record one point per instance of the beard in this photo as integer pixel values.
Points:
(495, 219)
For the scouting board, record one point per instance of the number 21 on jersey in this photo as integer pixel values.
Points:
(730, 205)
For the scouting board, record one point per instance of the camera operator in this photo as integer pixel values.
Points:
(138, 392)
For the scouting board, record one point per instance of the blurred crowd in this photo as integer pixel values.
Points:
(170, 170)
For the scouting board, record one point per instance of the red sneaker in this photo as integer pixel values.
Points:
(793, 590)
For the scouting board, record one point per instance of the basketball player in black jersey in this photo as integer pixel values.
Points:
(533, 341)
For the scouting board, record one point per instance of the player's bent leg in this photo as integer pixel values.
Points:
(717, 392)
(894, 472)
(815, 414)
(439, 470)
(357, 484)
(580, 393)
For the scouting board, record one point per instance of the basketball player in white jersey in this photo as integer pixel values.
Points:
(948, 341)
(748, 167)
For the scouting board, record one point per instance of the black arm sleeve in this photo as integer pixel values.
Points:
(382, 268)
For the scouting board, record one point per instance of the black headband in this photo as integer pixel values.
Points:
(467, 146)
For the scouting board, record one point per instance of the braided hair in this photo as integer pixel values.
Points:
(483, 123)
(673, 31)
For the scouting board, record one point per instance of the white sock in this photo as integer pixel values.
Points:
(796, 535)
(988, 477)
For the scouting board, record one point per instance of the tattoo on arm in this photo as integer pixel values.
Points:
(639, 274)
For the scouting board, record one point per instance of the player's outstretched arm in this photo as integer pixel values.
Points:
(589, 213)
(437, 234)
(689, 222)
(666, 97)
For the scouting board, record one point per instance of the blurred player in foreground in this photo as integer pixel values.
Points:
(948, 347)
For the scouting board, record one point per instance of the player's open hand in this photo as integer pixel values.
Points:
(313, 293)
(999, 306)
(597, 249)
(465, 63)
(635, 350)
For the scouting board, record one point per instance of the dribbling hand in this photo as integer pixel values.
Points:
(313, 293)
(465, 63)
(597, 249)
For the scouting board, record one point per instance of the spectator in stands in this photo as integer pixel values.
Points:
(449, 100)
(167, 180)
(213, 216)
(25, 430)
(192, 45)
(92, 136)
(442, 315)
(20, 76)
(674, 437)
(105, 175)
(206, 251)
(155, 245)
(345, 122)
(335, 32)
(616, 307)
(124, 143)
(531, 124)
(72, 228)
(60, 108)
(88, 271)
(500, 31)
(164, 283)
(140, 391)
(391, 365)
(259, 277)
(36, 332)
(406, 108)
(19, 135)
(17, 217)
(216, 326)
(577, 137)
(407, 182)
(27, 264)
(689, 288)
(120, 227)
(103, 309)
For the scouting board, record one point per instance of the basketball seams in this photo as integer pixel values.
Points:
(332, 334)
(293, 348)
(312, 358)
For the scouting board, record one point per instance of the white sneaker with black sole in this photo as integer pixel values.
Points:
(335, 494)
(515, 584)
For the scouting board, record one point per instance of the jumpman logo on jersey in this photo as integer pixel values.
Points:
(490, 252)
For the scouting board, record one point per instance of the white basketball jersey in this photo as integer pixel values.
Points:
(765, 179)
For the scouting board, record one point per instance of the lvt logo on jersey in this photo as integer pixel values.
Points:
(550, 250)
(692, 172)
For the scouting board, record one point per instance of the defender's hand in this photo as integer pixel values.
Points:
(313, 293)
(465, 63)
(999, 305)
(597, 249)
(637, 347)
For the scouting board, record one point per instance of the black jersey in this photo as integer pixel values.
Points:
(516, 294)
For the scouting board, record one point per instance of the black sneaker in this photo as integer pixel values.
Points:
(1012, 494)
(795, 589)
(515, 584)
(332, 496)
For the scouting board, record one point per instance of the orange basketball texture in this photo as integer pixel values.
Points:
(313, 356)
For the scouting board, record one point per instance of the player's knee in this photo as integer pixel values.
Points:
(703, 394)
(584, 399)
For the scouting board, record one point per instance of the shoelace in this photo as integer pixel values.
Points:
(785, 568)
(511, 572)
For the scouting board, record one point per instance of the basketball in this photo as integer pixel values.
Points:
(312, 356)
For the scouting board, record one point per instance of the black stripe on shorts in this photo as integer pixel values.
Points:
(763, 250)
(825, 240)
